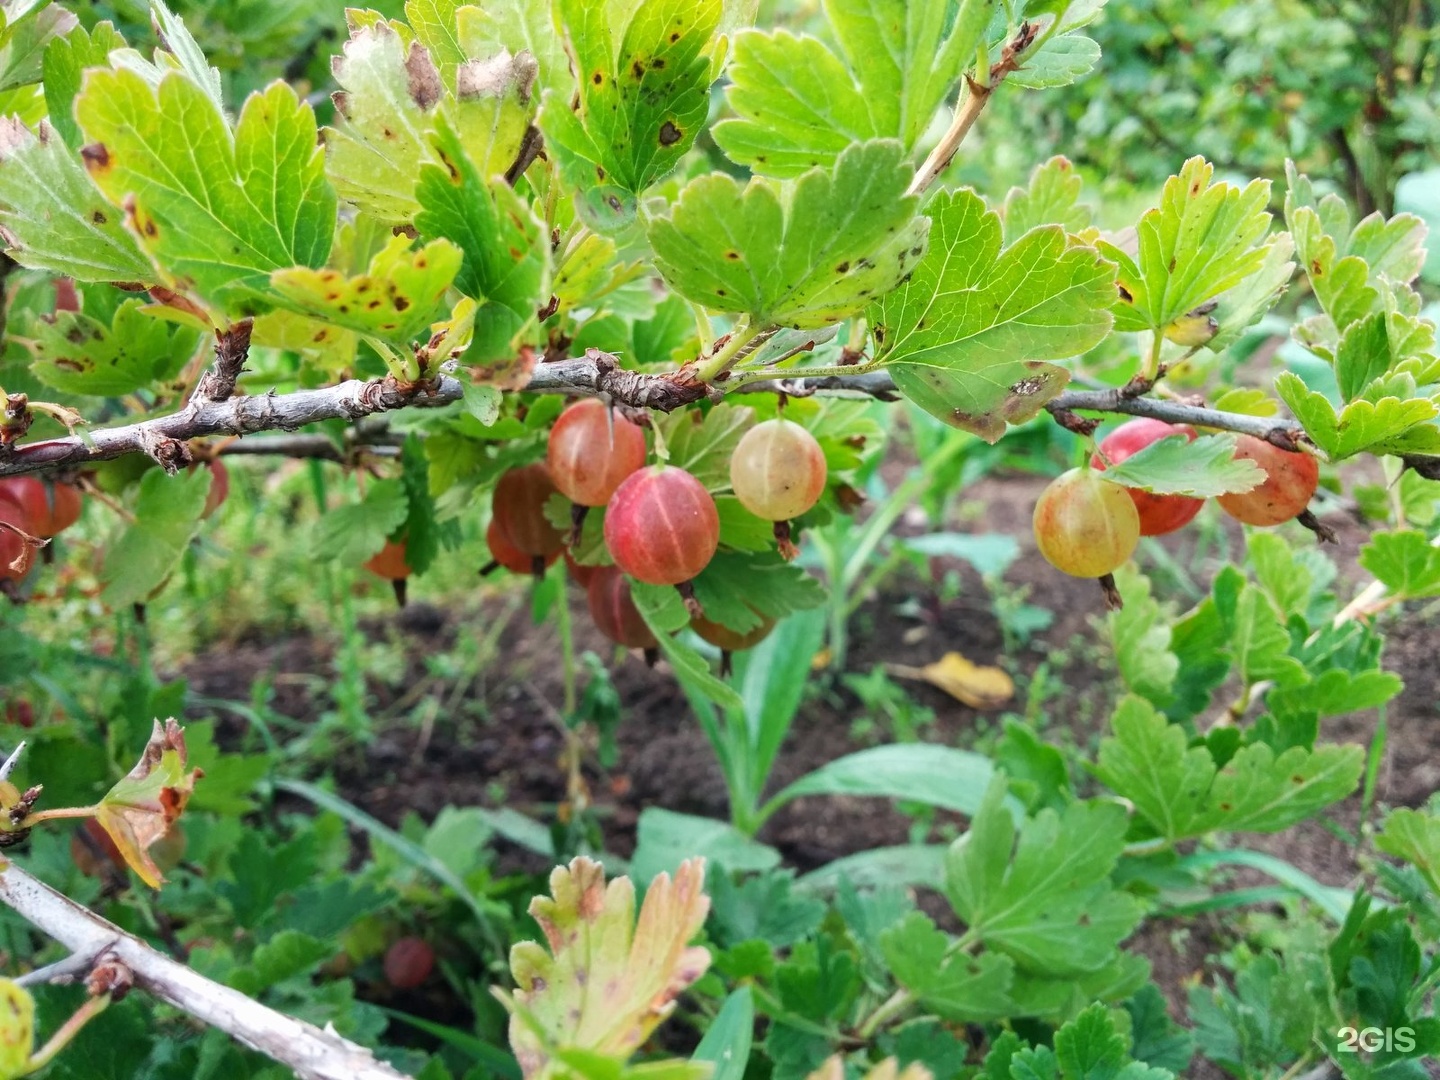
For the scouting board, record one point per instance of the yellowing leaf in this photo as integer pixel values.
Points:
(833, 1068)
(17, 1029)
(394, 299)
(605, 982)
(979, 686)
(139, 810)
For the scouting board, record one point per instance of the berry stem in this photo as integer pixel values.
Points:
(686, 589)
(578, 514)
(1323, 532)
(1113, 600)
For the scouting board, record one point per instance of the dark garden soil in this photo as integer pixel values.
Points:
(501, 745)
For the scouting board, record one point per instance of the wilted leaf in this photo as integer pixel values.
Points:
(606, 981)
(141, 808)
(17, 1029)
(979, 686)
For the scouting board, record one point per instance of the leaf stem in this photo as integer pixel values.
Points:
(732, 347)
(31, 820)
(67, 1031)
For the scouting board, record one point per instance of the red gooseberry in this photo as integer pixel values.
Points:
(519, 508)
(579, 571)
(50, 508)
(662, 526)
(389, 561)
(408, 963)
(727, 640)
(1290, 481)
(614, 612)
(592, 449)
(1159, 514)
(510, 557)
(1085, 525)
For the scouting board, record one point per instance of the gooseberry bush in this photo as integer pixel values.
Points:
(623, 287)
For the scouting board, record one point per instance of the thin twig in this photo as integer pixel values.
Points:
(313, 1054)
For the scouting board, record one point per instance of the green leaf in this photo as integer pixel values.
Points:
(434, 23)
(506, 251)
(1375, 426)
(642, 99)
(1280, 572)
(352, 534)
(1415, 837)
(727, 1040)
(798, 104)
(965, 336)
(665, 839)
(26, 28)
(1140, 633)
(954, 986)
(1344, 265)
(394, 299)
(1051, 198)
(1059, 62)
(764, 907)
(218, 213)
(167, 516)
(285, 956)
(78, 354)
(1181, 793)
(177, 40)
(1202, 468)
(1241, 307)
(1056, 999)
(1201, 241)
(803, 255)
(1363, 355)
(1045, 901)
(1256, 638)
(1156, 1039)
(702, 445)
(1405, 562)
(739, 589)
(66, 59)
(916, 772)
(53, 216)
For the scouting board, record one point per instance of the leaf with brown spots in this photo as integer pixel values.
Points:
(804, 255)
(605, 982)
(968, 335)
(643, 97)
(54, 219)
(392, 98)
(395, 299)
(139, 810)
(1202, 240)
(86, 353)
(1181, 792)
(216, 210)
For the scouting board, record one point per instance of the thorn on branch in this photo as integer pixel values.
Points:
(232, 349)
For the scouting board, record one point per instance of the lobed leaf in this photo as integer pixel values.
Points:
(605, 981)
(216, 212)
(167, 516)
(803, 255)
(54, 218)
(966, 335)
(1041, 894)
(1182, 793)
(1201, 241)
(1405, 562)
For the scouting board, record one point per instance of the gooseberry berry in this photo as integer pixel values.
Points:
(1159, 514)
(778, 470)
(50, 508)
(614, 612)
(510, 557)
(662, 526)
(389, 561)
(592, 450)
(727, 640)
(408, 963)
(1290, 481)
(519, 506)
(1085, 525)
(579, 571)
(93, 851)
